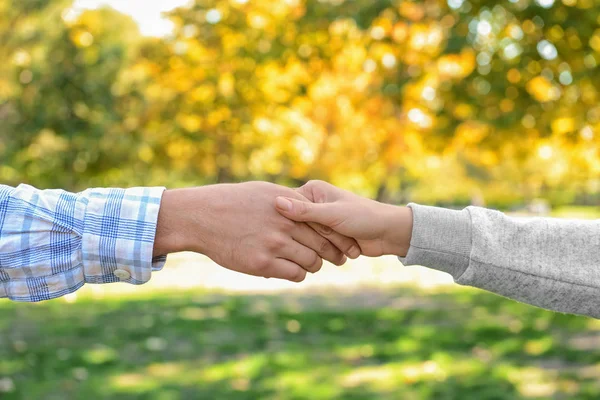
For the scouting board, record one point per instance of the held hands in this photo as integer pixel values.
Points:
(268, 230)
(237, 226)
(378, 228)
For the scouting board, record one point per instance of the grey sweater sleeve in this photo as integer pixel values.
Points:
(550, 263)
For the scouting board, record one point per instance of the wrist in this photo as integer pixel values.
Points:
(171, 225)
(398, 230)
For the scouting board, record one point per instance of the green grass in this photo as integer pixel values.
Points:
(376, 344)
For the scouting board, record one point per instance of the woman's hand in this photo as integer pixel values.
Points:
(378, 228)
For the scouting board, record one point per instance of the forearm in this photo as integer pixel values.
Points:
(398, 229)
(177, 208)
(189, 218)
(546, 262)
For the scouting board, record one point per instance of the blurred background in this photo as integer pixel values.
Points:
(445, 103)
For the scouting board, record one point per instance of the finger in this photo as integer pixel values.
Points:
(305, 211)
(300, 254)
(285, 269)
(319, 191)
(307, 192)
(322, 247)
(347, 245)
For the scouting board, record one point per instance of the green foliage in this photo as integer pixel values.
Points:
(420, 100)
(62, 118)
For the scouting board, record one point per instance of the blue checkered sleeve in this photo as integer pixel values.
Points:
(52, 242)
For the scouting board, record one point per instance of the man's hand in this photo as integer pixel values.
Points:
(378, 228)
(238, 228)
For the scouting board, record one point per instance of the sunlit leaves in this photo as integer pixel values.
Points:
(381, 97)
(456, 66)
(542, 89)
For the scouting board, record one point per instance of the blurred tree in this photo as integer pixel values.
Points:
(433, 101)
(63, 115)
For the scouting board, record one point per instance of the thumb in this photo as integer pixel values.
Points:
(305, 211)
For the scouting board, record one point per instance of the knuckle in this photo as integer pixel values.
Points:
(324, 229)
(303, 208)
(276, 243)
(299, 275)
(320, 197)
(261, 262)
(337, 259)
(313, 262)
(317, 265)
(325, 246)
(317, 188)
(287, 226)
(350, 244)
(340, 260)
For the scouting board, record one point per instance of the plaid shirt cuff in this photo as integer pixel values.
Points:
(52, 242)
(118, 235)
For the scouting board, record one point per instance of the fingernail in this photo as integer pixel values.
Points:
(354, 252)
(283, 204)
(325, 230)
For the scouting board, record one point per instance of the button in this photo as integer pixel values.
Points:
(122, 274)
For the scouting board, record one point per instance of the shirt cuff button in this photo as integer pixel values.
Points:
(122, 274)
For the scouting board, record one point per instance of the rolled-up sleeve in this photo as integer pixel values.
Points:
(52, 242)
